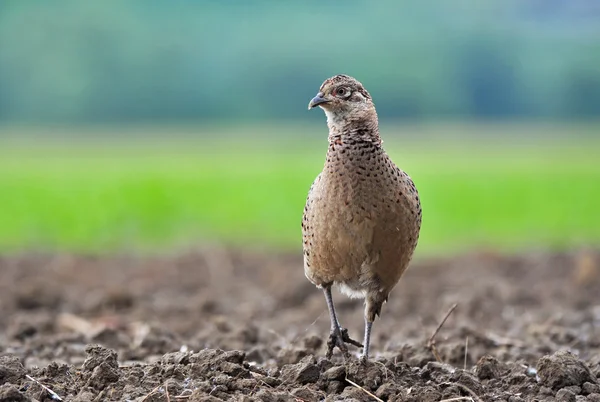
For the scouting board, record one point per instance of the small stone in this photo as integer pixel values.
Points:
(531, 372)
(595, 397)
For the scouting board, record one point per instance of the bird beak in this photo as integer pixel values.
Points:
(317, 100)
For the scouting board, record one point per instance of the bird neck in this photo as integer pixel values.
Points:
(361, 129)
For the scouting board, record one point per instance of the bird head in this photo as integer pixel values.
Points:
(342, 95)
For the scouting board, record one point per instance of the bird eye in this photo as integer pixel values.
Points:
(341, 91)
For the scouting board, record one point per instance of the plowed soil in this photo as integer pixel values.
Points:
(218, 324)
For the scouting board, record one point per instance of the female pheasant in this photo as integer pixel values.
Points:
(362, 216)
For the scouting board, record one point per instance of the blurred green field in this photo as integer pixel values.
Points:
(505, 187)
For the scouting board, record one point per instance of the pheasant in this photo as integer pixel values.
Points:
(362, 216)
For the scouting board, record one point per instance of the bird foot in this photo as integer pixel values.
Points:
(340, 339)
(346, 338)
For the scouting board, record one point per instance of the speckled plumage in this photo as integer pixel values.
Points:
(363, 214)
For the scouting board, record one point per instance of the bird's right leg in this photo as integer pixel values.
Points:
(372, 309)
(338, 335)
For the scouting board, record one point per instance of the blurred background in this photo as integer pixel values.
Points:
(151, 126)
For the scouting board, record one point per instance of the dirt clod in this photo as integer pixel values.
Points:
(563, 369)
(307, 394)
(590, 388)
(11, 369)
(334, 373)
(102, 376)
(97, 355)
(488, 367)
(10, 393)
(564, 395)
(304, 372)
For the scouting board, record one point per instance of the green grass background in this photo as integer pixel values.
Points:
(155, 189)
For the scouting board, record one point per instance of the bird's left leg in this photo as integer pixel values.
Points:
(338, 335)
(372, 309)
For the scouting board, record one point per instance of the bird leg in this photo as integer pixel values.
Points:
(338, 335)
(372, 309)
(367, 342)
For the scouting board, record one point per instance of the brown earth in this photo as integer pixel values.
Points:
(229, 325)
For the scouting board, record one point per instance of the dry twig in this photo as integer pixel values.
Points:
(53, 394)
(431, 341)
(385, 369)
(182, 396)
(154, 391)
(167, 391)
(466, 352)
(364, 390)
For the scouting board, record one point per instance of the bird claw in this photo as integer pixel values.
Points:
(346, 338)
(340, 339)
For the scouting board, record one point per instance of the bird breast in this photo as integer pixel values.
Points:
(357, 216)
